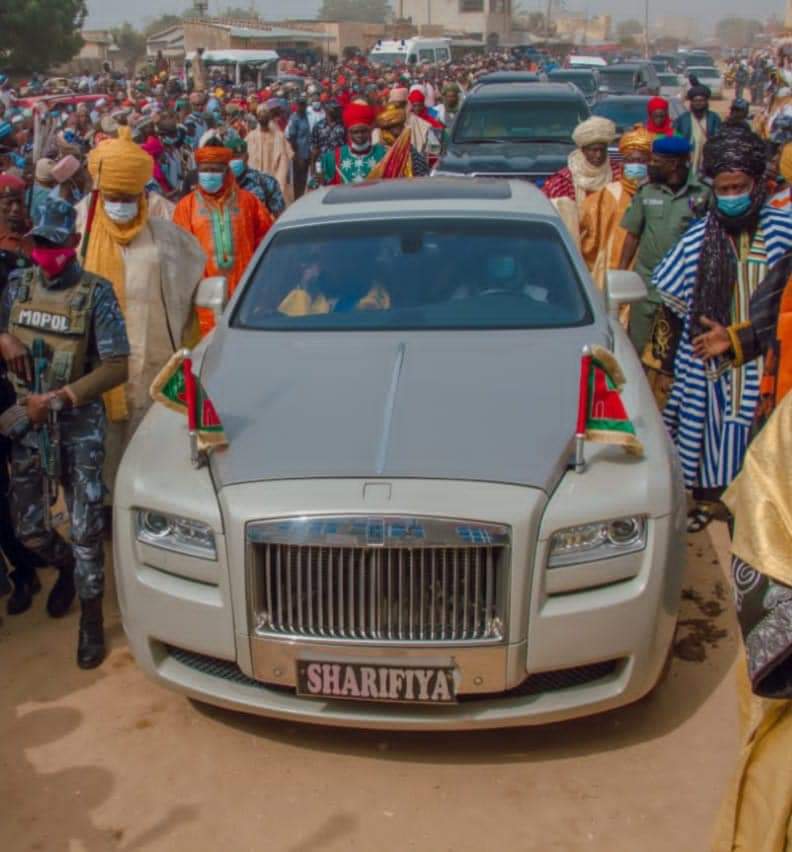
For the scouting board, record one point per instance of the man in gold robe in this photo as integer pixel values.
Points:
(154, 267)
(601, 234)
(269, 152)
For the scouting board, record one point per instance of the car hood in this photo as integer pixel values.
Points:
(510, 157)
(492, 406)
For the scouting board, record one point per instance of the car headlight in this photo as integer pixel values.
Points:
(181, 535)
(600, 540)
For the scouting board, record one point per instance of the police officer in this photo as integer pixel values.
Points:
(71, 321)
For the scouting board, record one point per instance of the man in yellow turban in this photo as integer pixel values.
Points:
(151, 263)
(601, 235)
(403, 159)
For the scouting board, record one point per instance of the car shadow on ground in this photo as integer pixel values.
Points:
(704, 651)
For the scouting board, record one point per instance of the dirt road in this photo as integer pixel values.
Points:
(106, 760)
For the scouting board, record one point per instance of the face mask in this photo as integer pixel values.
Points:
(211, 182)
(734, 205)
(237, 167)
(637, 172)
(52, 260)
(121, 211)
(358, 148)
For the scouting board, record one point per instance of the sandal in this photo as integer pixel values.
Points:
(698, 520)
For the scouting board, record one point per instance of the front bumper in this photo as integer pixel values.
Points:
(565, 654)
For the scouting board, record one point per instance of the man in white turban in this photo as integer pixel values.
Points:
(588, 170)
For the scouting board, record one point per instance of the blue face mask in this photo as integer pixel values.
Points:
(211, 182)
(237, 167)
(734, 205)
(637, 172)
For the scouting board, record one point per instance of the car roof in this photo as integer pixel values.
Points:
(523, 91)
(423, 196)
(509, 77)
(577, 72)
(626, 66)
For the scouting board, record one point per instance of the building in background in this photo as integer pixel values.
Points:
(580, 28)
(178, 41)
(488, 20)
(98, 47)
(679, 27)
(344, 35)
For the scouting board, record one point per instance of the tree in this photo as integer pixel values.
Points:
(36, 35)
(629, 29)
(163, 22)
(239, 13)
(738, 32)
(368, 11)
(131, 44)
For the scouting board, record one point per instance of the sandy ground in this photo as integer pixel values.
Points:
(107, 760)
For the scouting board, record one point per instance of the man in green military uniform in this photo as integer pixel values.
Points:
(63, 337)
(659, 214)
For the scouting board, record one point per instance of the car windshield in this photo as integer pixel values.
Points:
(389, 58)
(414, 274)
(623, 113)
(585, 82)
(669, 80)
(618, 79)
(519, 121)
(703, 71)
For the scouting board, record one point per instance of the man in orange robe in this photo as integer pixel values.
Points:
(227, 221)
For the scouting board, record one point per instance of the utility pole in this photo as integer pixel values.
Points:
(646, 29)
(548, 17)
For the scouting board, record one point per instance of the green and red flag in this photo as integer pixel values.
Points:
(178, 388)
(602, 416)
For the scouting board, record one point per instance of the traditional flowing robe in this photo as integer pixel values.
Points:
(229, 229)
(601, 235)
(757, 812)
(269, 152)
(344, 166)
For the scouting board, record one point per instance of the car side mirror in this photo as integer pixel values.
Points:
(624, 288)
(212, 294)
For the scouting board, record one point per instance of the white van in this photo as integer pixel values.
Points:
(411, 51)
(577, 61)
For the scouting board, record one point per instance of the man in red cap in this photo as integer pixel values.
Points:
(351, 163)
(417, 101)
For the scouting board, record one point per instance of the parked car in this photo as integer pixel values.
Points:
(699, 58)
(671, 85)
(585, 62)
(625, 111)
(509, 77)
(394, 536)
(514, 130)
(709, 77)
(586, 79)
(628, 78)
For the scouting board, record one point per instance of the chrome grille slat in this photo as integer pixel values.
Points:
(413, 592)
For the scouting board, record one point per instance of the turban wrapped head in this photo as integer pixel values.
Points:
(637, 139)
(398, 95)
(594, 131)
(392, 116)
(213, 154)
(11, 185)
(653, 106)
(735, 149)
(357, 114)
(698, 91)
(120, 166)
(44, 170)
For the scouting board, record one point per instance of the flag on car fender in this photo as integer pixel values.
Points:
(602, 416)
(180, 390)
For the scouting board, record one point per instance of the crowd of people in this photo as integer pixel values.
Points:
(128, 193)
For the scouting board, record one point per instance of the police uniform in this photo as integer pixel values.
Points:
(78, 318)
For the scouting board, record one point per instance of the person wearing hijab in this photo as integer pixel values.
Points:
(699, 123)
(588, 170)
(601, 234)
(154, 268)
(228, 222)
(708, 279)
(658, 121)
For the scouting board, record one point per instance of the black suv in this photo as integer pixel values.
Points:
(515, 130)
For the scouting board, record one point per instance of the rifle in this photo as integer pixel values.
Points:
(49, 435)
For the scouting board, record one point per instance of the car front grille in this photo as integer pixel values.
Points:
(388, 590)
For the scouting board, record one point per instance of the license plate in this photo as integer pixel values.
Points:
(362, 682)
